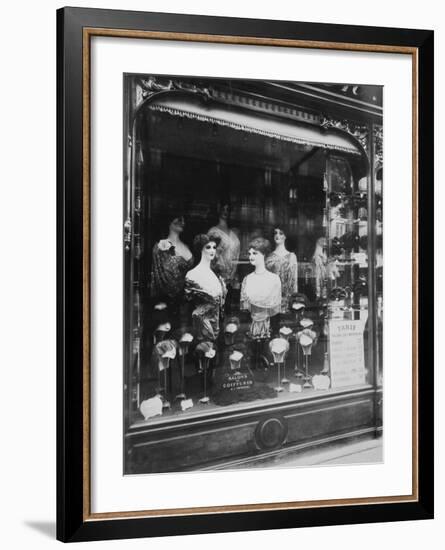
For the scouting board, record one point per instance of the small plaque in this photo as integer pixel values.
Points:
(236, 381)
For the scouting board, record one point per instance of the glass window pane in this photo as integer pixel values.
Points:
(249, 271)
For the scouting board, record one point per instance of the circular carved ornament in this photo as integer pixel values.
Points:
(271, 433)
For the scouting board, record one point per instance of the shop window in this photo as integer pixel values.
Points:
(249, 270)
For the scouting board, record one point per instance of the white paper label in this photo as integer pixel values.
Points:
(151, 407)
(186, 404)
(347, 357)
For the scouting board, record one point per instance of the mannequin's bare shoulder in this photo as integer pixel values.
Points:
(192, 273)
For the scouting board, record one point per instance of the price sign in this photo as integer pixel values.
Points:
(346, 352)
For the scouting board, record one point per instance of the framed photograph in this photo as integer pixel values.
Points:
(245, 296)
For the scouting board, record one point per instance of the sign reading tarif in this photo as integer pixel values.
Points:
(346, 352)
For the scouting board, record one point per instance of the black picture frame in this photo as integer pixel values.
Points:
(73, 520)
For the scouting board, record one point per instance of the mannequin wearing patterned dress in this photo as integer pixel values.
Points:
(284, 264)
(171, 261)
(260, 291)
(205, 290)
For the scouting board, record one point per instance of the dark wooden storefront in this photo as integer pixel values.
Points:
(213, 438)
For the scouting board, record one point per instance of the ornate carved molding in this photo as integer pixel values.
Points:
(127, 233)
(378, 145)
(359, 131)
(151, 86)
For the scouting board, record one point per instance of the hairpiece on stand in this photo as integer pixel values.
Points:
(205, 352)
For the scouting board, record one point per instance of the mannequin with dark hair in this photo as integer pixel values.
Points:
(284, 264)
(171, 260)
(205, 290)
(260, 291)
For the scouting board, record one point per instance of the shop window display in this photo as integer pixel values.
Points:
(246, 285)
(248, 277)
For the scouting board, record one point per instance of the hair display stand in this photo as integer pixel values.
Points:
(279, 348)
(184, 344)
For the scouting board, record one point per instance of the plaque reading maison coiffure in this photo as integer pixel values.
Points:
(237, 381)
(346, 353)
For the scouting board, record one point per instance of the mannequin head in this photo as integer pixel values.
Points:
(320, 246)
(259, 248)
(282, 238)
(209, 251)
(172, 221)
(224, 211)
(205, 247)
(176, 224)
(279, 235)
